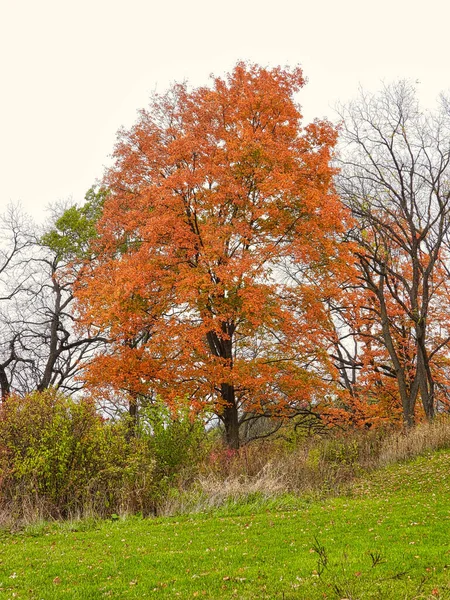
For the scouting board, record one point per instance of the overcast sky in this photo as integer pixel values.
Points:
(72, 73)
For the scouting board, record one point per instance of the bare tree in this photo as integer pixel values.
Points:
(15, 278)
(395, 178)
(40, 346)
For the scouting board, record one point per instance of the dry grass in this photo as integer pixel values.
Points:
(260, 472)
(426, 437)
(311, 468)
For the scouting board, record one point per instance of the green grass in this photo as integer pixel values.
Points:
(389, 539)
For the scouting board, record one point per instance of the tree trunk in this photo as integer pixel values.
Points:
(408, 394)
(408, 415)
(4, 384)
(133, 417)
(230, 416)
(222, 347)
(426, 381)
(53, 340)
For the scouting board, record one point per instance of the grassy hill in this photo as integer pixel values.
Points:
(388, 538)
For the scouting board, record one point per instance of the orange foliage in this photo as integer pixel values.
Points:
(218, 244)
(375, 393)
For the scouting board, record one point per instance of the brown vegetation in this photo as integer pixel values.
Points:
(59, 459)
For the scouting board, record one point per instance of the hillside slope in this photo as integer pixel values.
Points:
(390, 538)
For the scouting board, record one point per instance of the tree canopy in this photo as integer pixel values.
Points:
(218, 268)
(219, 241)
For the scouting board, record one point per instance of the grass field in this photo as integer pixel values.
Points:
(388, 539)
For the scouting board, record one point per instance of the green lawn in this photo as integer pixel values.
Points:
(390, 539)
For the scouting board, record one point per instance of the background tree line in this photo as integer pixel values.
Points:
(238, 264)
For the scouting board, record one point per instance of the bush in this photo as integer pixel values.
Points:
(51, 448)
(60, 458)
(177, 441)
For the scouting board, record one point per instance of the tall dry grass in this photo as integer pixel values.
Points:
(74, 465)
(314, 467)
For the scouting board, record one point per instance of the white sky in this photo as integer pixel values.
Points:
(72, 73)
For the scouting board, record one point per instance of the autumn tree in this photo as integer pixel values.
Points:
(60, 349)
(363, 367)
(39, 344)
(212, 193)
(395, 174)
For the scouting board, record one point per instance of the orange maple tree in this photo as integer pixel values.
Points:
(218, 243)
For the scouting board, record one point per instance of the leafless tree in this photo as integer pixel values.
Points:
(395, 178)
(40, 346)
(15, 278)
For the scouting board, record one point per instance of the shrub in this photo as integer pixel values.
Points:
(59, 457)
(177, 441)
